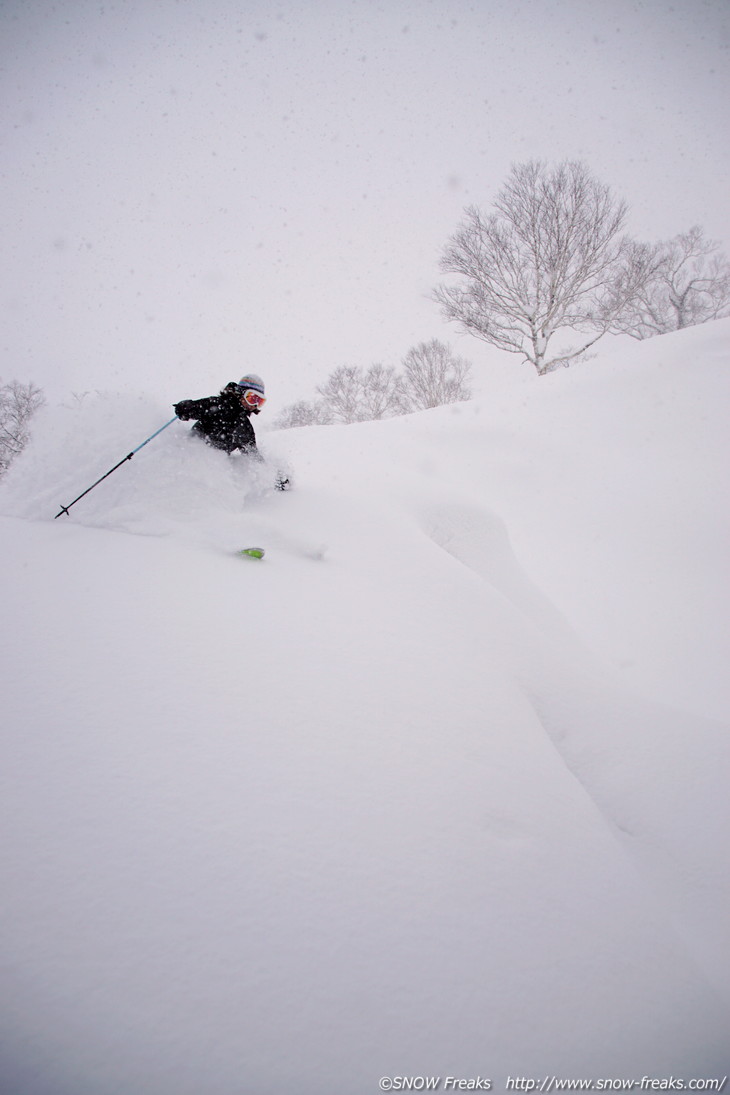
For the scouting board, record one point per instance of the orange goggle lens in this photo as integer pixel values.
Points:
(253, 398)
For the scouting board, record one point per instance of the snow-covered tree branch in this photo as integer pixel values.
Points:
(18, 403)
(689, 283)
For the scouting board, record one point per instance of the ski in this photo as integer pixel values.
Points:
(251, 553)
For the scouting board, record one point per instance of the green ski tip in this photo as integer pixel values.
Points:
(251, 553)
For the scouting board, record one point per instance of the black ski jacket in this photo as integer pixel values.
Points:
(222, 421)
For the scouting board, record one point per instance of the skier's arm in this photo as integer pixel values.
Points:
(193, 408)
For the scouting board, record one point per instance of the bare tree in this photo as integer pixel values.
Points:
(432, 376)
(18, 403)
(689, 283)
(550, 257)
(303, 413)
(379, 392)
(353, 394)
(342, 393)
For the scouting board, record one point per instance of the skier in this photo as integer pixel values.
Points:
(224, 421)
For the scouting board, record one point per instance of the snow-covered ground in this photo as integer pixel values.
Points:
(438, 788)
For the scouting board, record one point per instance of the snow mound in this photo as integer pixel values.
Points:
(388, 807)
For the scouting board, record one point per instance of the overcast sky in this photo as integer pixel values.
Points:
(192, 189)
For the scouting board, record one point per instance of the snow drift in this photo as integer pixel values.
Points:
(438, 787)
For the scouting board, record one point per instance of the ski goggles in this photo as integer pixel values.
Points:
(253, 398)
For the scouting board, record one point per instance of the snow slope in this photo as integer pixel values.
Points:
(437, 788)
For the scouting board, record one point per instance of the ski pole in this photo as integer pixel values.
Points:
(65, 509)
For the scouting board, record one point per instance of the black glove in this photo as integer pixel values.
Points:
(183, 409)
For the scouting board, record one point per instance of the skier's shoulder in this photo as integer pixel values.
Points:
(222, 404)
(229, 399)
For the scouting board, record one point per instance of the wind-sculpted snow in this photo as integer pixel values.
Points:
(479, 539)
(379, 804)
(626, 735)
